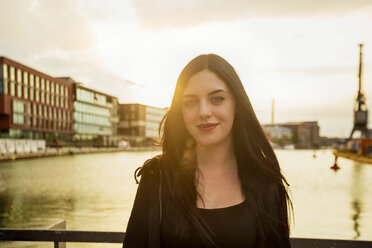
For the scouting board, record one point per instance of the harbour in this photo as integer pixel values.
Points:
(95, 192)
(90, 91)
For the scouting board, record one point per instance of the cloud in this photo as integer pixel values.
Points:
(85, 68)
(163, 14)
(57, 38)
(32, 26)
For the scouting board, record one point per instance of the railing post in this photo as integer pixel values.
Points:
(58, 225)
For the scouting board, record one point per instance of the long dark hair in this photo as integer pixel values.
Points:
(263, 184)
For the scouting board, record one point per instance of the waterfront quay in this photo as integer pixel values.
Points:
(63, 112)
(50, 151)
(95, 192)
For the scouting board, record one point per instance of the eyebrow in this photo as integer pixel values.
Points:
(211, 93)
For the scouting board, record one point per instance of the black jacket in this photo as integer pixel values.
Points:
(143, 229)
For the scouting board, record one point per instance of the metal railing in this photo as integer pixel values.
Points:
(58, 236)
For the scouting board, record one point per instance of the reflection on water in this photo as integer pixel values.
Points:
(357, 186)
(96, 192)
(355, 218)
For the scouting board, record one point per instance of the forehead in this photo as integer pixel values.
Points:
(204, 82)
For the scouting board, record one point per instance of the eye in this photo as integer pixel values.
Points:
(190, 103)
(217, 99)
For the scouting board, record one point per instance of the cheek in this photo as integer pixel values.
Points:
(188, 118)
(226, 114)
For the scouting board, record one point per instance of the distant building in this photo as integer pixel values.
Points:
(34, 105)
(139, 124)
(276, 132)
(95, 116)
(301, 134)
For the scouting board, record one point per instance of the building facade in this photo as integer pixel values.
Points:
(300, 134)
(139, 124)
(95, 116)
(34, 105)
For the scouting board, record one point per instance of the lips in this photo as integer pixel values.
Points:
(207, 126)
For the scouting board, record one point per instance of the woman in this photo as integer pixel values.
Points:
(218, 182)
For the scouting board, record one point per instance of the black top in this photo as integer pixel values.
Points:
(149, 216)
(233, 226)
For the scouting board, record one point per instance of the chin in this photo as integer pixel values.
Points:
(208, 142)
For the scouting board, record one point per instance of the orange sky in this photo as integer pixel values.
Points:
(302, 53)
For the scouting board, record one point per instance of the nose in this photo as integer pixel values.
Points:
(205, 111)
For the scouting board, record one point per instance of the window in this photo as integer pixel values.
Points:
(28, 108)
(19, 76)
(4, 79)
(12, 73)
(37, 95)
(35, 109)
(37, 82)
(62, 90)
(57, 101)
(31, 80)
(47, 98)
(31, 94)
(18, 119)
(25, 92)
(42, 80)
(52, 100)
(52, 87)
(66, 91)
(25, 78)
(40, 111)
(5, 72)
(18, 107)
(19, 90)
(57, 89)
(18, 112)
(29, 114)
(45, 112)
(42, 96)
(47, 86)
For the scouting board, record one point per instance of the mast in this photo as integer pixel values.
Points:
(360, 112)
(360, 94)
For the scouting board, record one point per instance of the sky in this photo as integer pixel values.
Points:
(303, 54)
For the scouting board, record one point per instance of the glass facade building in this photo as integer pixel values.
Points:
(95, 116)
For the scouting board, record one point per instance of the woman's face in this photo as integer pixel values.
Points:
(208, 109)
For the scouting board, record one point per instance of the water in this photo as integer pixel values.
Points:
(96, 192)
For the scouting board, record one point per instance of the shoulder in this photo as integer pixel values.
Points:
(150, 168)
(270, 195)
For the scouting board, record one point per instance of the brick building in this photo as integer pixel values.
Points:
(34, 105)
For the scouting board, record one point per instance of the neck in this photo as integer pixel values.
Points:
(219, 156)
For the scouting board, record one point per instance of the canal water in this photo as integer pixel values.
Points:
(96, 191)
